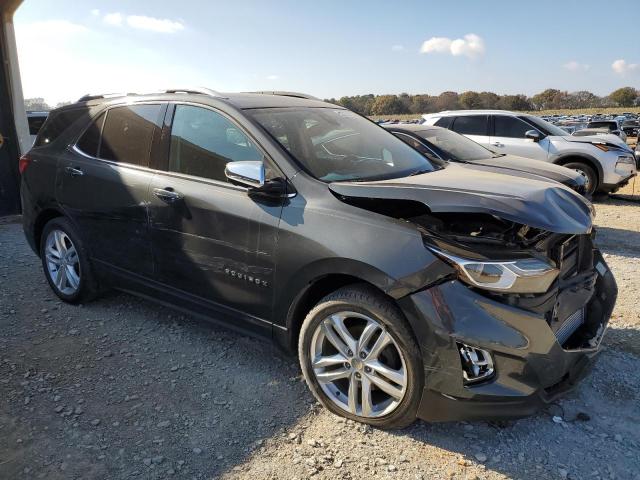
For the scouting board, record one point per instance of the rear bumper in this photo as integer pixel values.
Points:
(531, 367)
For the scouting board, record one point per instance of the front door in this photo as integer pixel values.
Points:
(509, 138)
(103, 185)
(211, 239)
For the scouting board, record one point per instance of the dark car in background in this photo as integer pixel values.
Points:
(609, 126)
(631, 128)
(35, 121)
(409, 288)
(442, 145)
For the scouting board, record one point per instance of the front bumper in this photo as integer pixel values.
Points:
(531, 367)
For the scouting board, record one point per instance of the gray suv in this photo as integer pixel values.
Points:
(407, 289)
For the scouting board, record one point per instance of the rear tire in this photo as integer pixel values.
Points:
(588, 172)
(66, 264)
(387, 381)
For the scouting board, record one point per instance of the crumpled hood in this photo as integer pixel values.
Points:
(536, 203)
(609, 138)
(537, 167)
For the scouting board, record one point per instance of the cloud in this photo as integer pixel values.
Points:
(161, 25)
(621, 66)
(471, 45)
(272, 77)
(143, 22)
(397, 48)
(574, 66)
(114, 19)
(95, 12)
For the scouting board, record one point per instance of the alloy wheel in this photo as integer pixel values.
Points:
(63, 263)
(358, 364)
(587, 179)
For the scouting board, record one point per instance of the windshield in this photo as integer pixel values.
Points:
(546, 127)
(339, 145)
(453, 146)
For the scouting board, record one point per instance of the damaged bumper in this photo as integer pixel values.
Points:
(535, 355)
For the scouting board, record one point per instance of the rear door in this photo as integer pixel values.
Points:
(103, 185)
(508, 137)
(476, 127)
(211, 240)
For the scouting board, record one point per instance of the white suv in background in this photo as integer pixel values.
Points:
(607, 162)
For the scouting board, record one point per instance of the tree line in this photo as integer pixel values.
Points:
(550, 99)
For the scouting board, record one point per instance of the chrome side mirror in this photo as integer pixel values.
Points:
(246, 174)
(533, 135)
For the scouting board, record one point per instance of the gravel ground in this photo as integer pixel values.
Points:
(124, 388)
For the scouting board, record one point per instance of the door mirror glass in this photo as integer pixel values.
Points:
(533, 135)
(246, 174)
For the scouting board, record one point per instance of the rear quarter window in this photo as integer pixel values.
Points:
(444, 122)
(56, 124)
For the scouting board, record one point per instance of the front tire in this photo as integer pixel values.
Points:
(589, 174)
(360, 359)
(65, 261)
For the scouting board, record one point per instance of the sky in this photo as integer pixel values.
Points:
(327, 48)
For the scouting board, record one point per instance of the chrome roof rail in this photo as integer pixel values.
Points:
(286, 94)
(197, 90)
(90, 96)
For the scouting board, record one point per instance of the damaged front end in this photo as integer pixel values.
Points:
(522, 314)
(551, 274)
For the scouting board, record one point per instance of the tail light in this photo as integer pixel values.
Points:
(23, 163)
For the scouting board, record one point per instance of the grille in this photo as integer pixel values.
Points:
(570, 325)
(574, 255)
(569, 256)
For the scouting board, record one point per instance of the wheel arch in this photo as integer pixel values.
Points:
(586, 159)
(314, 289)
(45, 216)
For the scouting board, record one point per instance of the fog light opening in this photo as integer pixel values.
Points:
(477, 364)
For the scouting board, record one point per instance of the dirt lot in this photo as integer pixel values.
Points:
(123, 388)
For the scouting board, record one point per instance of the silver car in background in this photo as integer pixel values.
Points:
(607, 162)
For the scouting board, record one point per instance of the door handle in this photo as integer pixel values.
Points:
(167, 195)
(74, 172)
(497, 144)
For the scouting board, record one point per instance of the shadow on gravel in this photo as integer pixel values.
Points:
(617, 241)
(124, 388)
(602, 411)
(624, 339)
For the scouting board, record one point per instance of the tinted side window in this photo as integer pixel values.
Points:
(203, 142)
(90, 140)
(128, 132)
(471, 125)
(444, 122)
(510, 127)
(412, 142)
(56, 123)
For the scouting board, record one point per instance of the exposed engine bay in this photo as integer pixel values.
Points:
(569, 306)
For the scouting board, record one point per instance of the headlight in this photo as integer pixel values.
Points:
(627, 160)
(606, 147)
(526, 275)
